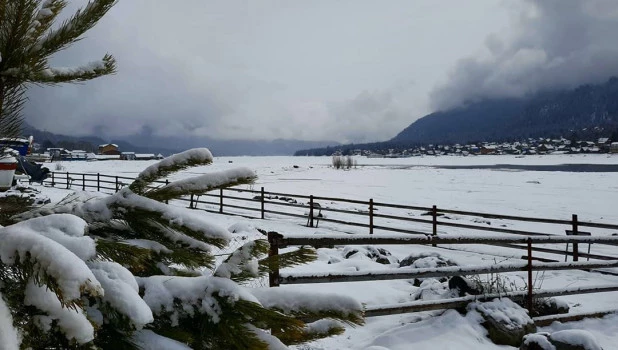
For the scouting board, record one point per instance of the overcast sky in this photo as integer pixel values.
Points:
(349, 71)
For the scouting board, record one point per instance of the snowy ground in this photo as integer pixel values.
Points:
(420, 182)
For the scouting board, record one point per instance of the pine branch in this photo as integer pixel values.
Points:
(12, 100)
(15, 24)
(152, 226)
(43, 20)
(350, 318)
(26, 268)
(232, 330)
(109, 337)
(174, 163)
(114, 230)
(301, 256)
(71, 30)
(202, 184)
(133, 258)
(52, 76)
(281, 325)
(143, 261)
(239, 265)
(313, 331)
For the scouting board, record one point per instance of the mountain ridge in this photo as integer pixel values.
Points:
(586, 111)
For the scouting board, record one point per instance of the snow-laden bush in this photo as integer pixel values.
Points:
(126, 271)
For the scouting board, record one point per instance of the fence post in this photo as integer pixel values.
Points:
(83, 182)
(68, 184)
(98, 182)
(167, 182)
(434, 223)
(191, 202)
(575, 245)
(53, 179)
(311, 211)
(530, 286)
(221, 200)
(116, 183)
(273, 251)
(262, 203)
(370, 216)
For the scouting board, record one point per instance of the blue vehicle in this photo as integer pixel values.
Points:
(23, 146)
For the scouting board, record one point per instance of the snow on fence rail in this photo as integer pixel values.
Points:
(453, 303)
(362, 216)
(278, 241)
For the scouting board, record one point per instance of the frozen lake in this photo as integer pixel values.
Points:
(422, 181)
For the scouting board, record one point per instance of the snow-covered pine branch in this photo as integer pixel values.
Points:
(311, 305)
(44, 246)
(57, 75)
(43, 19)
(71, 30)
(28, 40)
(243, 263)
(174, 163)
(202, 184)
(43, 268)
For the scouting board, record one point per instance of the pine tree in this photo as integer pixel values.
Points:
(135, 273)
(27, 41)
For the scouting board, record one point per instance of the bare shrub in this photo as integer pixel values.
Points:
(337, 162)
(349, 162)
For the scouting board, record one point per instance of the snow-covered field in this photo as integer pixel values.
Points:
(421, 182)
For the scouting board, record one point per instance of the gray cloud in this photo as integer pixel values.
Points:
(314, 70)
(553, 44)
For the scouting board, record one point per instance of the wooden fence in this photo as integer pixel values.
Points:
(278, 241)
(366, 216)
(377, 219)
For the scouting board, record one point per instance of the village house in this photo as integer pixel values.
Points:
(58, 153)
(127, 156)
(603, 144)
(109, 149)
(489, 149)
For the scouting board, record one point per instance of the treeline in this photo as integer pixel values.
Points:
(70, 145)
(375, 147)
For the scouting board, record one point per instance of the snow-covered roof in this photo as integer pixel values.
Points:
(14, 139)
(108, 144)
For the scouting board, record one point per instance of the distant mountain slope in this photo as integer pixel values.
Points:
(479, 121)
(543, 114)
(586, 112)
(153, 144)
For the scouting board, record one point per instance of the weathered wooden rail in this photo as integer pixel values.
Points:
(278, 241)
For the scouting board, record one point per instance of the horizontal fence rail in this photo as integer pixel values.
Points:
(404, 273)
(278, 241)
(430, 239)
(453, 303)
